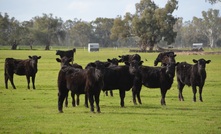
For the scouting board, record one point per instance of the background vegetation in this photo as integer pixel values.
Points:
(149, 26)
(35, 111)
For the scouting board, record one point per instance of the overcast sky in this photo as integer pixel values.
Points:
(88, 10)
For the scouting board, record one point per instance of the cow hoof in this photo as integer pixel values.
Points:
(61, 112)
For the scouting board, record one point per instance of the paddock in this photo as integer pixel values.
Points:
(35, 111)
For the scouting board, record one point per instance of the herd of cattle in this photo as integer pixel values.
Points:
(108, 76)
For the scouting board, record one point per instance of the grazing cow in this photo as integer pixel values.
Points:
(66, 62)
(68, 54)
(155, 77)
(26, 67)
(119, 77)
(192, 75)
(79, 81)
(129, 58)
(163, 58)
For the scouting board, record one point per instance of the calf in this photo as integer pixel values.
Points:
(88, 81)
(155, 77)
(68, 53)
(129, 58)
(26, 67)
(192, 75)
(164, 57)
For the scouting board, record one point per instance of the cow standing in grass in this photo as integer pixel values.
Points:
(155, 77)
(119, 77)
(192, 75)
(79, 81)
(68, 53)
(26, 67)
(65, 62)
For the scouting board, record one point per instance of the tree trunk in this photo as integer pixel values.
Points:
(151, 46)
(47, 47)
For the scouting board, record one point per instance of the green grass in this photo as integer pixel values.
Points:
(35, 111)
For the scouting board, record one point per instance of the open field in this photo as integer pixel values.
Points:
(35, 111)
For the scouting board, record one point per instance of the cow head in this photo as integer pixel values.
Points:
(64, 61)
(34, 61)
(114, 61)
(201, 63)
(170, 69)
(134, 66)
(124, 58)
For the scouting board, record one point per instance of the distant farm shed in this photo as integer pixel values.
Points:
(197, 47)
(93, 47)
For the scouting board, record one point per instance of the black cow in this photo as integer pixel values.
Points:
(66, 62)
(163, 58)
(113, 62)
(79, 81)
(129, 58)
(119, 77)
(26, 67)
(68, 53)
(192, 75)
(155, 77)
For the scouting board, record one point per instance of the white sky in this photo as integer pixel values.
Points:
(88, 10)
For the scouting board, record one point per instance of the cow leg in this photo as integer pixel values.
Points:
(194, 93)
(134, 97)
(91, 100)
(33, 81)
(163, 95)
(66, 101)
(61, 97)
(122, 96)
(11, 80)
(106, 93)
(73, 99)
(6, 81)
(180, 88)
(86, 101)
(200, 93)
(78, 99)
(28, 80)
(111, 93)
(97, 100)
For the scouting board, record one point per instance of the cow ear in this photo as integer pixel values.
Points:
(140, 63)
(119, 56)
(174, 55)
(39, 57)
(177, 63)
(127, 63)
(58, 60)
(208, 61)
(30, 57)
(195, 61)
(109, 60)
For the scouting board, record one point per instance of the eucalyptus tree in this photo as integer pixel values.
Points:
(153, 24)
(122, 30)
(10, 31)
(80, 33)
(48, 30)
(211, 26)
(102, 30)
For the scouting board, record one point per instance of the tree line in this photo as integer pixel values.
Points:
(150, 26)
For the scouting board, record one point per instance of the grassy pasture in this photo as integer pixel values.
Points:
(35, 111)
